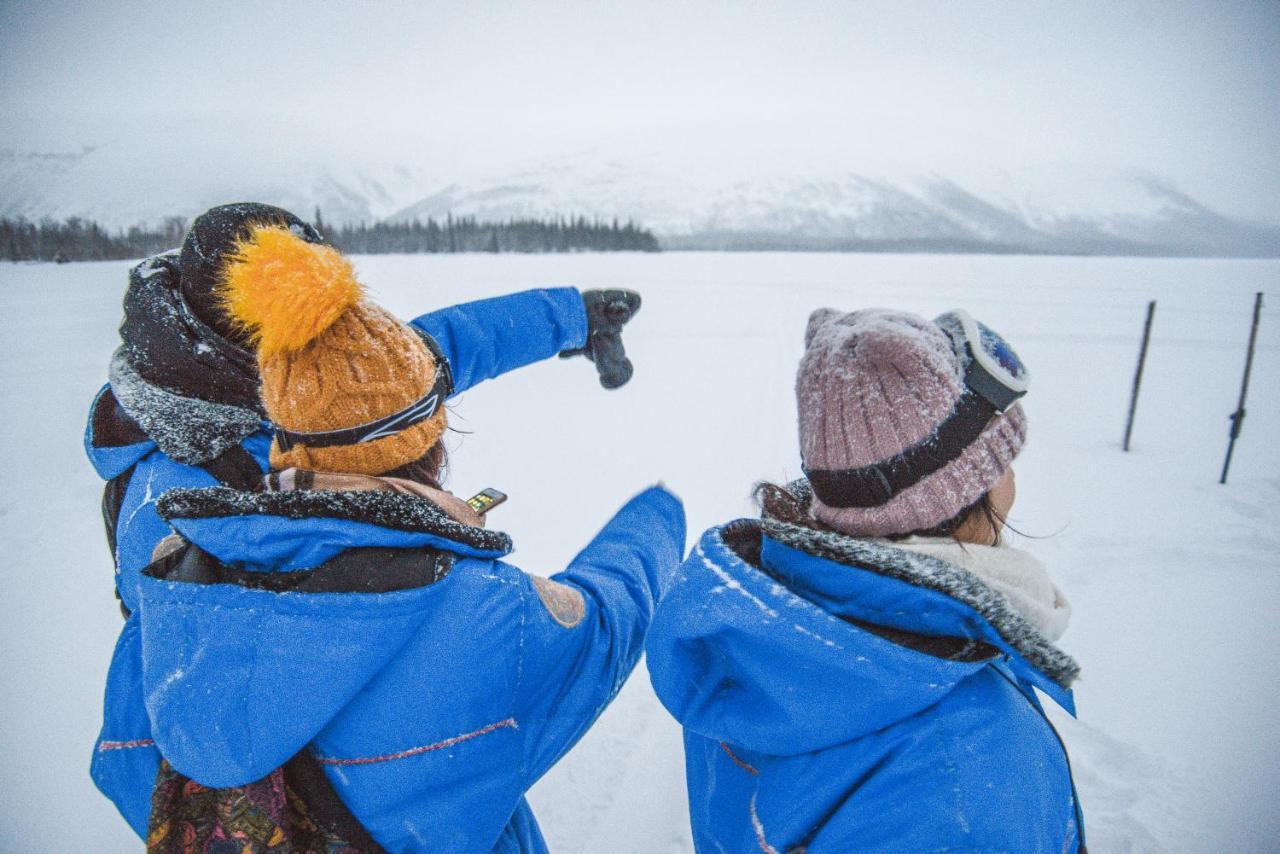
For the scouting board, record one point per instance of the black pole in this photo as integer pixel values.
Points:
(1237, 417)
(1137, 376)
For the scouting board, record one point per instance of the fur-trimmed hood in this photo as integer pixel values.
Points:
(290, 531)
(173, 348)
(192, 392)
(997, 622)
(271, 617)
(186, 429)
(909, 565)
(787, 640)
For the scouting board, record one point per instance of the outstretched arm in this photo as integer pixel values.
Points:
(487, 338)
(584, 629)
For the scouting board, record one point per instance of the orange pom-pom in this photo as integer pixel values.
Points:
(287, 291)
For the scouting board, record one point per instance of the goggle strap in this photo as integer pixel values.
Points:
(873, 485)
(420, 410)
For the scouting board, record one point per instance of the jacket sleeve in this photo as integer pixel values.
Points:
(487, 338)
(584, 629)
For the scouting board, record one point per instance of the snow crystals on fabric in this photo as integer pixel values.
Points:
(187, 429)
(386, 509)
(731, 583)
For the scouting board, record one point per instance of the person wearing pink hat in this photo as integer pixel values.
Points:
(854, 671)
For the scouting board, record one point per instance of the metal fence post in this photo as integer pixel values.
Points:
(1237, 417)
(1137, 376)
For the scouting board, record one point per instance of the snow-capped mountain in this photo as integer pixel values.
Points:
(119, 185)
(780, 206)
(690, 201)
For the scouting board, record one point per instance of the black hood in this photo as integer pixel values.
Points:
(171, 348)
(210, 242)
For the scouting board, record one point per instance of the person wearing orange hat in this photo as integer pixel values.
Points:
(182, 409)
(341, 658)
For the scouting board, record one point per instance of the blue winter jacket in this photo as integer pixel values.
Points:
(479, 340)
(432, 708)
(841, 696)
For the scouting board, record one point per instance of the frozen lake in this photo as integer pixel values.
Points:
(1175, 580)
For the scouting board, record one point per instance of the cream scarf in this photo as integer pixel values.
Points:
(1015, 574)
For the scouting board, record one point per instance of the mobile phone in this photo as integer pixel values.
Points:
(485, 500)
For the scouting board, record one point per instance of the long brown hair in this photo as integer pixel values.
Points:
(428, 469)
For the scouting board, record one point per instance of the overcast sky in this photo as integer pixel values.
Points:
(1189, 91)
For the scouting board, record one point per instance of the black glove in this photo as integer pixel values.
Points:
(607, 311)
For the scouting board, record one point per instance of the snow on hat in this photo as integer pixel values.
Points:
(875, 383)
(331, 361)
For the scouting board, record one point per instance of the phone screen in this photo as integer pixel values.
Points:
(485, 500)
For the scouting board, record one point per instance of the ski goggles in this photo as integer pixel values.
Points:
(994, 370)
(995, 378)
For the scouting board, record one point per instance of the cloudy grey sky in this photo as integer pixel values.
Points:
(1184, 90)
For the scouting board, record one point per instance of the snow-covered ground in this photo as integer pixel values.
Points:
(1175, 580)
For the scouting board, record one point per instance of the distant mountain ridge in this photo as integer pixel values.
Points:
(690, 204)
(846, 211)
(120, 186)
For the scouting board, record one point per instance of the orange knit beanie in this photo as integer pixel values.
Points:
(330, 359)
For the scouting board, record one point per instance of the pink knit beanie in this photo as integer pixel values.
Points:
(875, 383)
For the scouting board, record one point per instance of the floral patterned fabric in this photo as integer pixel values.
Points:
(266, 816)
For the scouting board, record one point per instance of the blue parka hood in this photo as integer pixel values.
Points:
(840, 694)
(772, 662)
(755, 664)
(217, 657)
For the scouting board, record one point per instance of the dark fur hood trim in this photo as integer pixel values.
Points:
(385, 509)
(187, 429)
(930, 573)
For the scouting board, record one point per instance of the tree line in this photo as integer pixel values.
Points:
(469, 234)
(78, 239)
